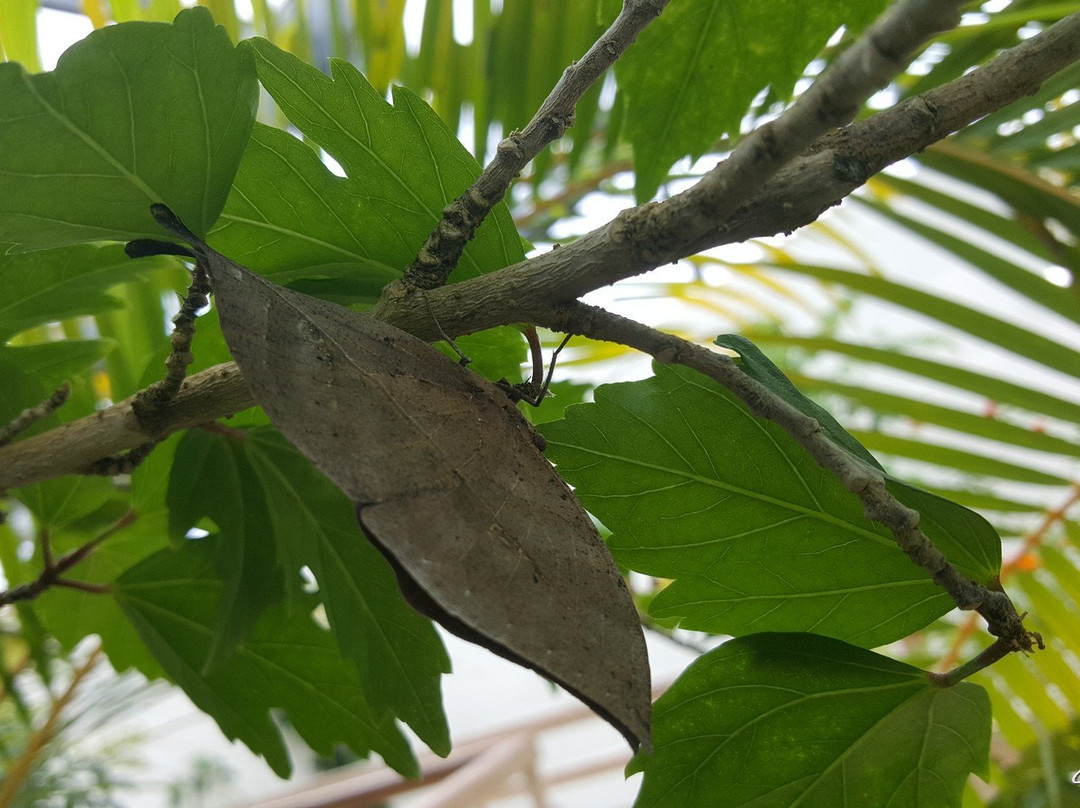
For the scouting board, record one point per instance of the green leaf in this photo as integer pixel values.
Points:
(289, 663)
(19, 391)
(693, 72)
(71, 615)
(58, 502)
(754, 534)
(212, 478)
(343, 238)
(397, 651)
(980, 547)
(403, 166)
(969, 540)
(495, 353)
(794, 719)
(133, 114)
(43, 287)
(288, 213)
(52, 363)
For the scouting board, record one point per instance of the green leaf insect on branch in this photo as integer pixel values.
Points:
(279, 522)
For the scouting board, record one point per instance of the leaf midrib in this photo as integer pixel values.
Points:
(86, 138)
(820, 516)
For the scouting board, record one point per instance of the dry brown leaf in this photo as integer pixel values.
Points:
(449, 484)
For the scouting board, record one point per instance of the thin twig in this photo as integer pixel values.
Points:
(1000, 648)
(32, 415)
(52, 573)
(860, 478)
(1031, 540)
(149, 402)
(461, 218)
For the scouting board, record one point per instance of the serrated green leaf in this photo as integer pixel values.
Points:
(403, 165)
(19, 390)
(495, 353)
(289, 663)
(758, 366)
(692, 73)
(133, 114)
(211, 477)
(59, 502)
(971, 542)
(287, 212)
(398, 653)
(71, 615)
(794, 719)
(755, 536)
(344, 238)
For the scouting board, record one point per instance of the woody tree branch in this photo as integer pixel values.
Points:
(461, 218)
(830, 169)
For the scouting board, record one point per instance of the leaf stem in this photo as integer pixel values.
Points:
(52, 573)
(1000, 648)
